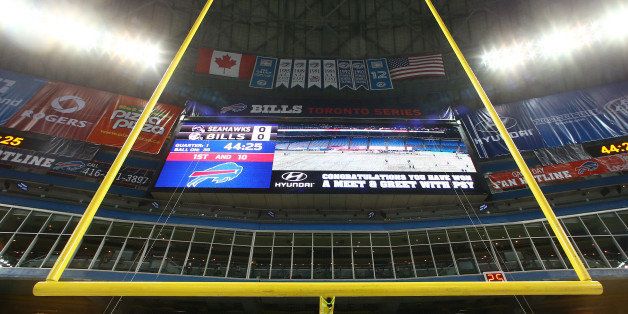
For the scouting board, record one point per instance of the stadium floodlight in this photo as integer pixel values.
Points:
(561, 41)
(67, 28)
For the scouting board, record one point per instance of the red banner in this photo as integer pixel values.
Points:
(512, 180)
(116, 124)
(64, 110)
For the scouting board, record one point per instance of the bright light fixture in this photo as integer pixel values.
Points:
(66, 28)
(560, 42)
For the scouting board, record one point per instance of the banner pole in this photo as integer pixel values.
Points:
(75, 239)
(577, 264)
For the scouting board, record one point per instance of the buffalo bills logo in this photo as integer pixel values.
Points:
(69, 165)
(587, 166)
(233, 108)
(219, 174)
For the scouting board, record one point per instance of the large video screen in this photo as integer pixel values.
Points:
(319, 158)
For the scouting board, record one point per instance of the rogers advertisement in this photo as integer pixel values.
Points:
(60, 109)
(122, 115)
(506, 181)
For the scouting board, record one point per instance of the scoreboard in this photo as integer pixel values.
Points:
(317, 158)
(220, 156)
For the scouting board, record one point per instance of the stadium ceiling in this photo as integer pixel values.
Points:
(325, 29)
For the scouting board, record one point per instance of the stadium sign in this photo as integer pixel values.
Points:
(318, 158)
(569, 118)
(15, 91)
(127, 176)
(196, 109)
(513, 180)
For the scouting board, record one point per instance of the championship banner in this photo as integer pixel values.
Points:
(121, 116)
(15, 91)
(264, 73)
(379, 76)
(513, 180)
(360, 77)
(298, 73)
(345, 74)
(568, 118)
(329, 74)
(60, 109)
(283, 73)
(314, 73)
(128, 176)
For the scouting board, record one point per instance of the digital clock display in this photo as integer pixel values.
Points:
(609, 147)
(11, 140)
(494, 276)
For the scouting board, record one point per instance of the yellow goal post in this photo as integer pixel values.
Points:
(52, 286)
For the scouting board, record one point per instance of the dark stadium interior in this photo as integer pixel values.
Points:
(405, 181)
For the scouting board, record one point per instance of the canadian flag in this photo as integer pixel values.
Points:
(224, 63)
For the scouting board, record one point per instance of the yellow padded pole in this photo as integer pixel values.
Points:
(577, 264)
(271, 289)
(76, 237)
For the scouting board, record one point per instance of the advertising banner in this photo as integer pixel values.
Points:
(553, 121)
(512, 180)
(127, 176)
(264, 73)
(121, 116)
(15, 91)
(298, 73)
(283, 73)
(330, 78)
(379, 76)
(60, 109)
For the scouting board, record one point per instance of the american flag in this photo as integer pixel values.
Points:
(407, 67)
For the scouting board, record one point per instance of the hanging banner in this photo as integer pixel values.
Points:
(15, 91)
(60, 109)
(569, 118)
(314, 73)
(128, 176)
(329, 74)
(513, 180)
(379, 77)
(288, 109)
(264, 73)
(345, 74)
(360, 77)
(224, 63)
(298, 73)
(283, 73)
(121, 116)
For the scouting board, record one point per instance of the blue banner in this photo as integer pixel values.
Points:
(345, 74)
(360, 77)
(553, 121)
(379, 76)
(15, 91)
(264, 73)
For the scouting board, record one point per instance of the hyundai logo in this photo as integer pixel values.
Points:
(490, 127)
(294, 176)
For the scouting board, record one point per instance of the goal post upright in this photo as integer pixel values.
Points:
(53, 287)
(572, 256)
